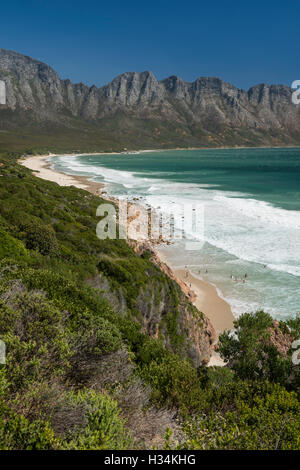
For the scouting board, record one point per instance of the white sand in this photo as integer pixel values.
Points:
(40, 165)
(208, 301)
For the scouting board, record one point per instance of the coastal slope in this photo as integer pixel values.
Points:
(104, 351)
(202, 294)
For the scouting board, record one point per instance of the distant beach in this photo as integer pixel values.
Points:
(41, 167)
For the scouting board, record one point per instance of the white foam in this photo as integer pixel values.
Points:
(251, 231)
(294, 270)
(262, 211)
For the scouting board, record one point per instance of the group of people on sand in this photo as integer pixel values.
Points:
(236, 279)
(187, 273)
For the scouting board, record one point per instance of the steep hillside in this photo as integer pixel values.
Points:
(95, 306)
(104, 351)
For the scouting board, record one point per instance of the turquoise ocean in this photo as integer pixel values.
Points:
(251, 200)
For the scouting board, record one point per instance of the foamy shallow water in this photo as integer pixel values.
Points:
(245, 232)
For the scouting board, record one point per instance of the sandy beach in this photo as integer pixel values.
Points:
(42, 169)
(205, 295)
(208, 301)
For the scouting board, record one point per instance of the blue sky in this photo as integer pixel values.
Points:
(93, 41)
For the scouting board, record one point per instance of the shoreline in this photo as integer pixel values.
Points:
(208, 301)
(202, 294)
(138, 151)
(42, 169)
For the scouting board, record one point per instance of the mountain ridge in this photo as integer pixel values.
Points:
(188, 82)
(206, 112)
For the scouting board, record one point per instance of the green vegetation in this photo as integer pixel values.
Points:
(114, 133)
(99, 353)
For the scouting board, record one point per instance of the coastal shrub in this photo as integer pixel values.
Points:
(86, 221)
(114, 270)
(270, 422)
(177, 339)
(174, 382)
(10, 247)
(147, 254)
(143, 286)
(101, 428)
(219, 378)
(41, 238)
(293, 325)
(35, 340)
(150, 350)
(95, 336)
(65, 293)
(250, 352)
(18, 433)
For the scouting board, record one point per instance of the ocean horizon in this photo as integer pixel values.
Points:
(251, 197)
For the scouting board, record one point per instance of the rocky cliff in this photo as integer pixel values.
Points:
(136, 109)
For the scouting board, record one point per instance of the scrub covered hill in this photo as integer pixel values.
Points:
(104, 351)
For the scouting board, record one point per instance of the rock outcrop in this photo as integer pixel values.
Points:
(197, 334)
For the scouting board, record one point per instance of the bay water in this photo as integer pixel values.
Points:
(251, 200)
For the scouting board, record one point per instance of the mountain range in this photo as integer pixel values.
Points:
(136, 110)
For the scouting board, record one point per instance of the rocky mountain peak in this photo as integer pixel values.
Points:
(207, 108)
